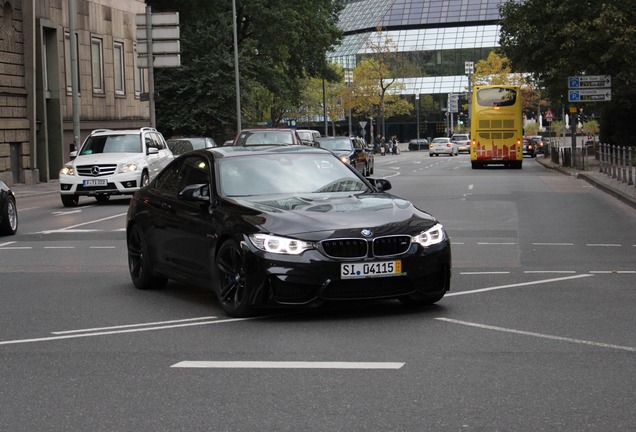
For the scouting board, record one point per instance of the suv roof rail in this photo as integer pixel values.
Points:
(100, 130)
(148, 129)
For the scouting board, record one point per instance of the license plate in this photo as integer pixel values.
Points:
(371, 269)
(96, 182)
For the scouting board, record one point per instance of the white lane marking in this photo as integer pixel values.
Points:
(613, 271)
(102, 333)
(64, 213)
(603, 245)
(7, 243)
(553, 244)
(496, 244)
(287, 365)
(83, 223)
(549, 271)
(485, 273)
(59, 247)
(134, 325)
(16, 247)
(539, 335)
(480, 290)
(102, 247)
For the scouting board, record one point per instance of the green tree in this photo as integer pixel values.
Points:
(586, 37)
(278, 47)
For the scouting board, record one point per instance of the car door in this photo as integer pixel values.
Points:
(184, 234)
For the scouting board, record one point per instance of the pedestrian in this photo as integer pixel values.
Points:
(377, 146)
(391, 145)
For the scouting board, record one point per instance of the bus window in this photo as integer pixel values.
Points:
(496, 97)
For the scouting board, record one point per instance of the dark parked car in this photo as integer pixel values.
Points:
(283, 226)
(351, 150)
(179, 146)
(418, 144)
(8, 211)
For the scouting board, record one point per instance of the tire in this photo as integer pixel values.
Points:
(145, 179)
(70, 200)
(138, 262)
(232, 290)
(102, 198)
(9, 225)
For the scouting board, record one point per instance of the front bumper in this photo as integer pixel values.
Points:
(120, 184)
(313, 279)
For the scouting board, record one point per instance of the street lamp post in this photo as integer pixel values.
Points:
(236, 69)
(469, 68)
(417, 109)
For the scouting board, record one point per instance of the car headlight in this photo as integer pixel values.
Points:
(68, 170)
(344, 159)
(128, 168)
(280, 245)
(432, 236)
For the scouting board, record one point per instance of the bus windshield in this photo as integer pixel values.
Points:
(496, 97)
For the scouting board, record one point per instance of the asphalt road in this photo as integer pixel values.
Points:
(537, 333)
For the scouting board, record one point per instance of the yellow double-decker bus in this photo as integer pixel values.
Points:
(496, 126)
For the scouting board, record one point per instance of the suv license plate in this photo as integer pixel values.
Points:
(371, 269)
(97, 182)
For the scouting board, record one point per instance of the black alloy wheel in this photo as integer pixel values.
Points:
(230, 280)
(138, 263)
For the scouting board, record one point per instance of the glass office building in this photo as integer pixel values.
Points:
(436, 36)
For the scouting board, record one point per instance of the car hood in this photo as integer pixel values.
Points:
(336, 213)
(107, 158)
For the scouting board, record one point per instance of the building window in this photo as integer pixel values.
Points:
(97, 62)
(118, 64)
(67, 63)
(140, 85)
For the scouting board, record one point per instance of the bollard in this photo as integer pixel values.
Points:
(630, 181)
(613, 159)
(624, 163)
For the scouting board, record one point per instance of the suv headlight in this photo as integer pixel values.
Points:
(67, 170)
(280, 245)
(128, 168)
(431, 236)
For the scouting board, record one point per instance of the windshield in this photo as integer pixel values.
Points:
(335, 143)
(112, 144)
(286, 174)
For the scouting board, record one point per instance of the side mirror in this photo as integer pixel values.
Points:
(152, 151)
(196, 192)
(73, 154)
(381, 185)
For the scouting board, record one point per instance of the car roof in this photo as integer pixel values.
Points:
(99, 132)
(237, 151)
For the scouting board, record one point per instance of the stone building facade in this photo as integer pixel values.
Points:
(36, 92)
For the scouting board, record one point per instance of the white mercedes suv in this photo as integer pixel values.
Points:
(113, 162)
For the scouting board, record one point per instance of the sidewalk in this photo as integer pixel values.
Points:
(592, 174)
